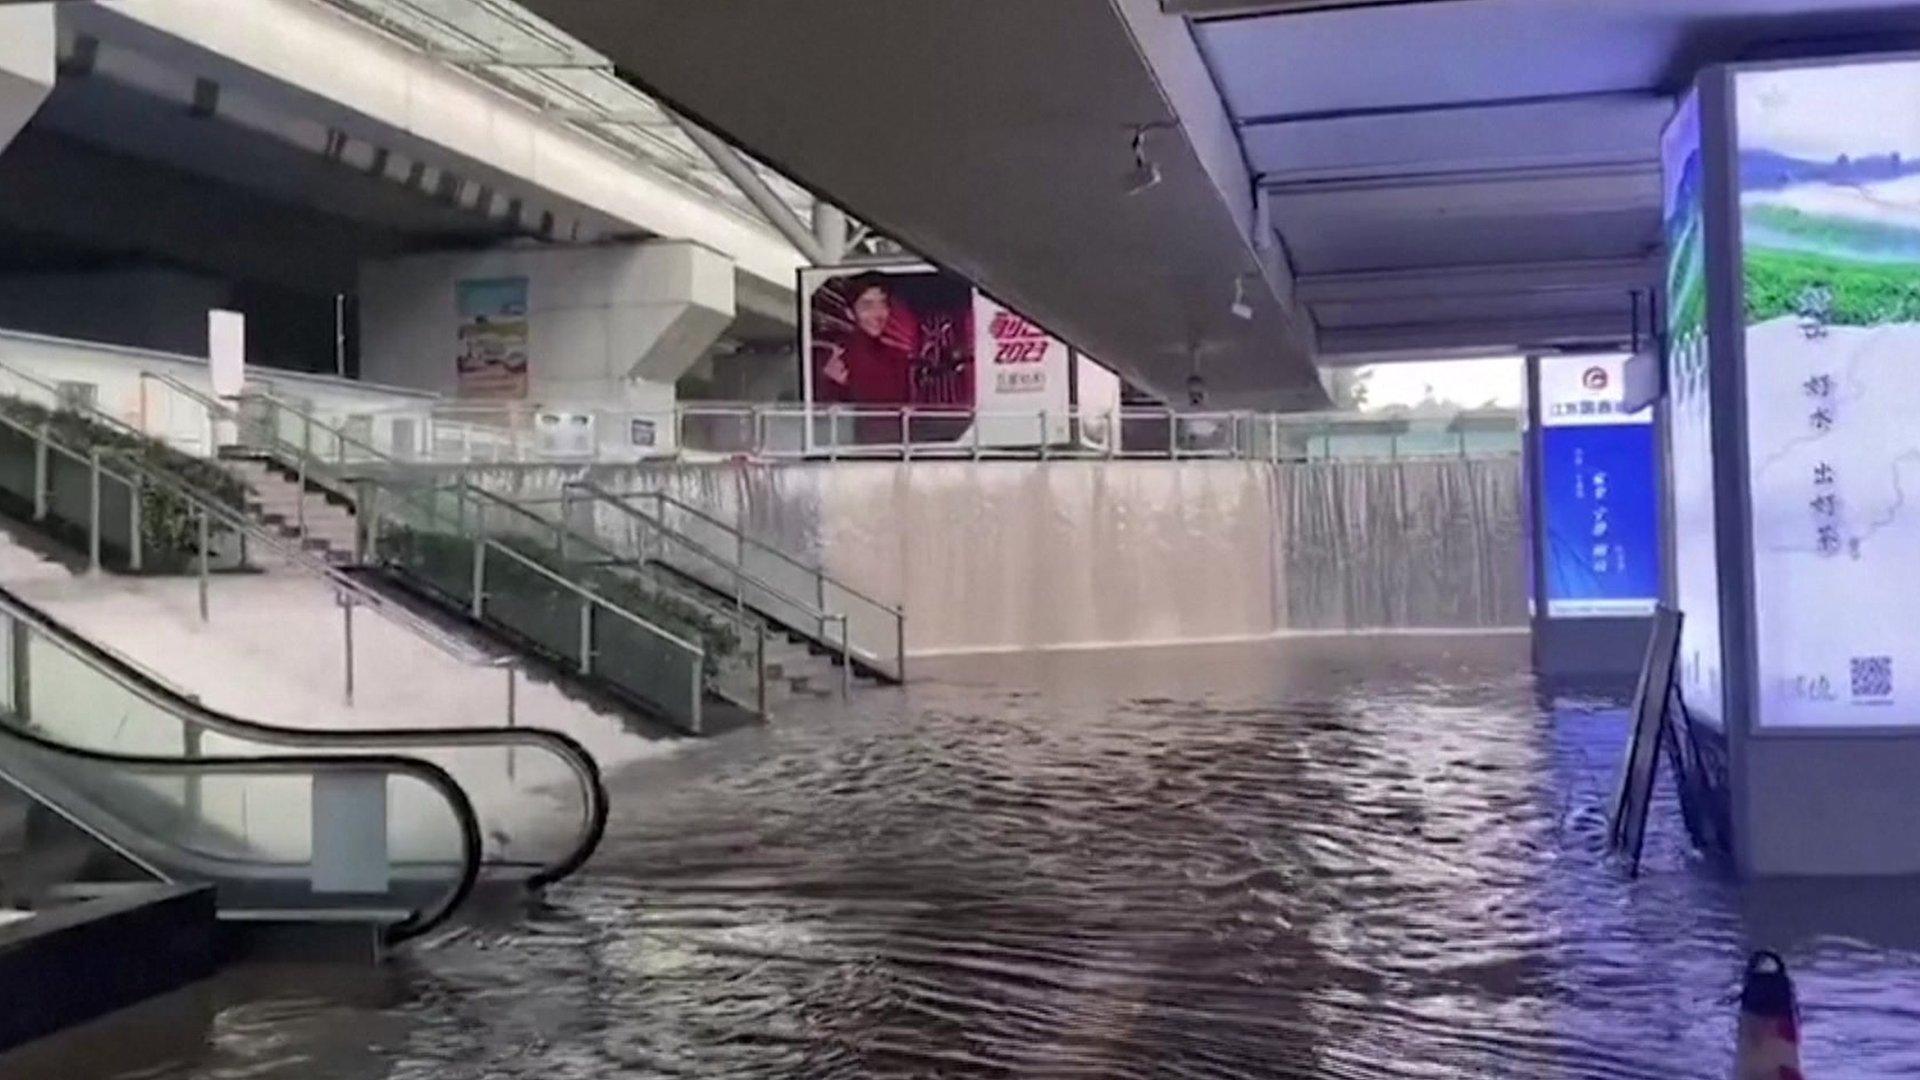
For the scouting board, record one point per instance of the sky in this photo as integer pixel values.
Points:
(1820, 113)
(1466, 382)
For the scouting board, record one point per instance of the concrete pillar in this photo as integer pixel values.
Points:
(27, 56)
(608, 328)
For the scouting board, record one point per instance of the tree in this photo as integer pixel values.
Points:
(1347, 387)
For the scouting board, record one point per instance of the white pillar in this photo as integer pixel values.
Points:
(27, 55)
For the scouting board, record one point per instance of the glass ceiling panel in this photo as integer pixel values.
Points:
(530, 58)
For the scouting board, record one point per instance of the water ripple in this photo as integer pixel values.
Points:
(1322, 859)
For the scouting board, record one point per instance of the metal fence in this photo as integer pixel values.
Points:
(510, 433)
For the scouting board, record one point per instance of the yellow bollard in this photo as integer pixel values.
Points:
(1769, 1039)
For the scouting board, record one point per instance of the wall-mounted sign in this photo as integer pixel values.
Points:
(642, 433)
(564, 434)
(1599, 493)
(491, 358)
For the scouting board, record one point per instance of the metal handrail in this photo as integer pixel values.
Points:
(208, 503)
(190, 711)
(821, 577)
(493, 499)
(824, 618)
(417, 923)
(743, 536)
(86, 408)
(466, 488)
(601, 495)
(298, 554)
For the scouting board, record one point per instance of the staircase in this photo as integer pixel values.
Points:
(321, 522)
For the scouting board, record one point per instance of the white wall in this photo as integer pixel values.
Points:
(115, 374)
(26, 64)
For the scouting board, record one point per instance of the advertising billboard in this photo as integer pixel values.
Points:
(1829, 171)
(1696, 571)
(1599, 499)
(875, 340)
(491, 361)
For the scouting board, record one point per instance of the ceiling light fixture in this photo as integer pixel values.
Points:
(1242, 308)
(1145, 173)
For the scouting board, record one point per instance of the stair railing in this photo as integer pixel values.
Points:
(751, 595)
(888, 639)
(345, 463)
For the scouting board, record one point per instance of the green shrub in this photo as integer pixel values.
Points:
(169, 529)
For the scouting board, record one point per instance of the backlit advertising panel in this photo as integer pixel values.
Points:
(1829, 171)
(1696, 584)
(1599, 499)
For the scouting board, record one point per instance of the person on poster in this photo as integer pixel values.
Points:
(868, 365)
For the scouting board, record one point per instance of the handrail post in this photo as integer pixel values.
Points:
(586, 636)
(1045, 435)
(42, 478)
(479, 564)
(760, 633)
(136, 558)
(820, 598)
(1173, 435)
(300, 491)
(833, 432)
(366, 532)
(846, 660)
(900, 644)
(93, 511)
(906, 432)
(346, 615)
(206, 558)
(19, 668)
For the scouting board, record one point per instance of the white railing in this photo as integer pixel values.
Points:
(512, 433)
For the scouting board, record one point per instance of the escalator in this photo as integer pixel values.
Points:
(394, 828)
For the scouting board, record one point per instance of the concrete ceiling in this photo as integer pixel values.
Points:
(995, 136)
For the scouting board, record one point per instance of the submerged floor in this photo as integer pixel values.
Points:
(1320, 858)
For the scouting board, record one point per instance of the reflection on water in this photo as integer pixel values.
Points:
(1324, 858)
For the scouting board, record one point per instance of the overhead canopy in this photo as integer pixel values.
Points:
(1470, 175)
(996, 137)
(1382, 179)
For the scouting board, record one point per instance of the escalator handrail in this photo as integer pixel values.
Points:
(585, 768)
(418, 922)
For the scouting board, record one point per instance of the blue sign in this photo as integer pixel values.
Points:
(1601, 516)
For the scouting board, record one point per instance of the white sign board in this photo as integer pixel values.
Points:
(227, 352)
(1021, 378)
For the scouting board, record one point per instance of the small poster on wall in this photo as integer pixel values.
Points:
(491, 362)
(568, 434)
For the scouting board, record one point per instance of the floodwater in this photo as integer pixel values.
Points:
(1320, 858)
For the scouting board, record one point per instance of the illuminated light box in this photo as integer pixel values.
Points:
(1793, 451)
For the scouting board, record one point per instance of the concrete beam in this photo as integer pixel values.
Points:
(1480, 280)
(1011, 166)
(1427, 341)
(344, 73)
(1218, 9)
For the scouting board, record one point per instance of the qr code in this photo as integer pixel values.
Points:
(1872, 676)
